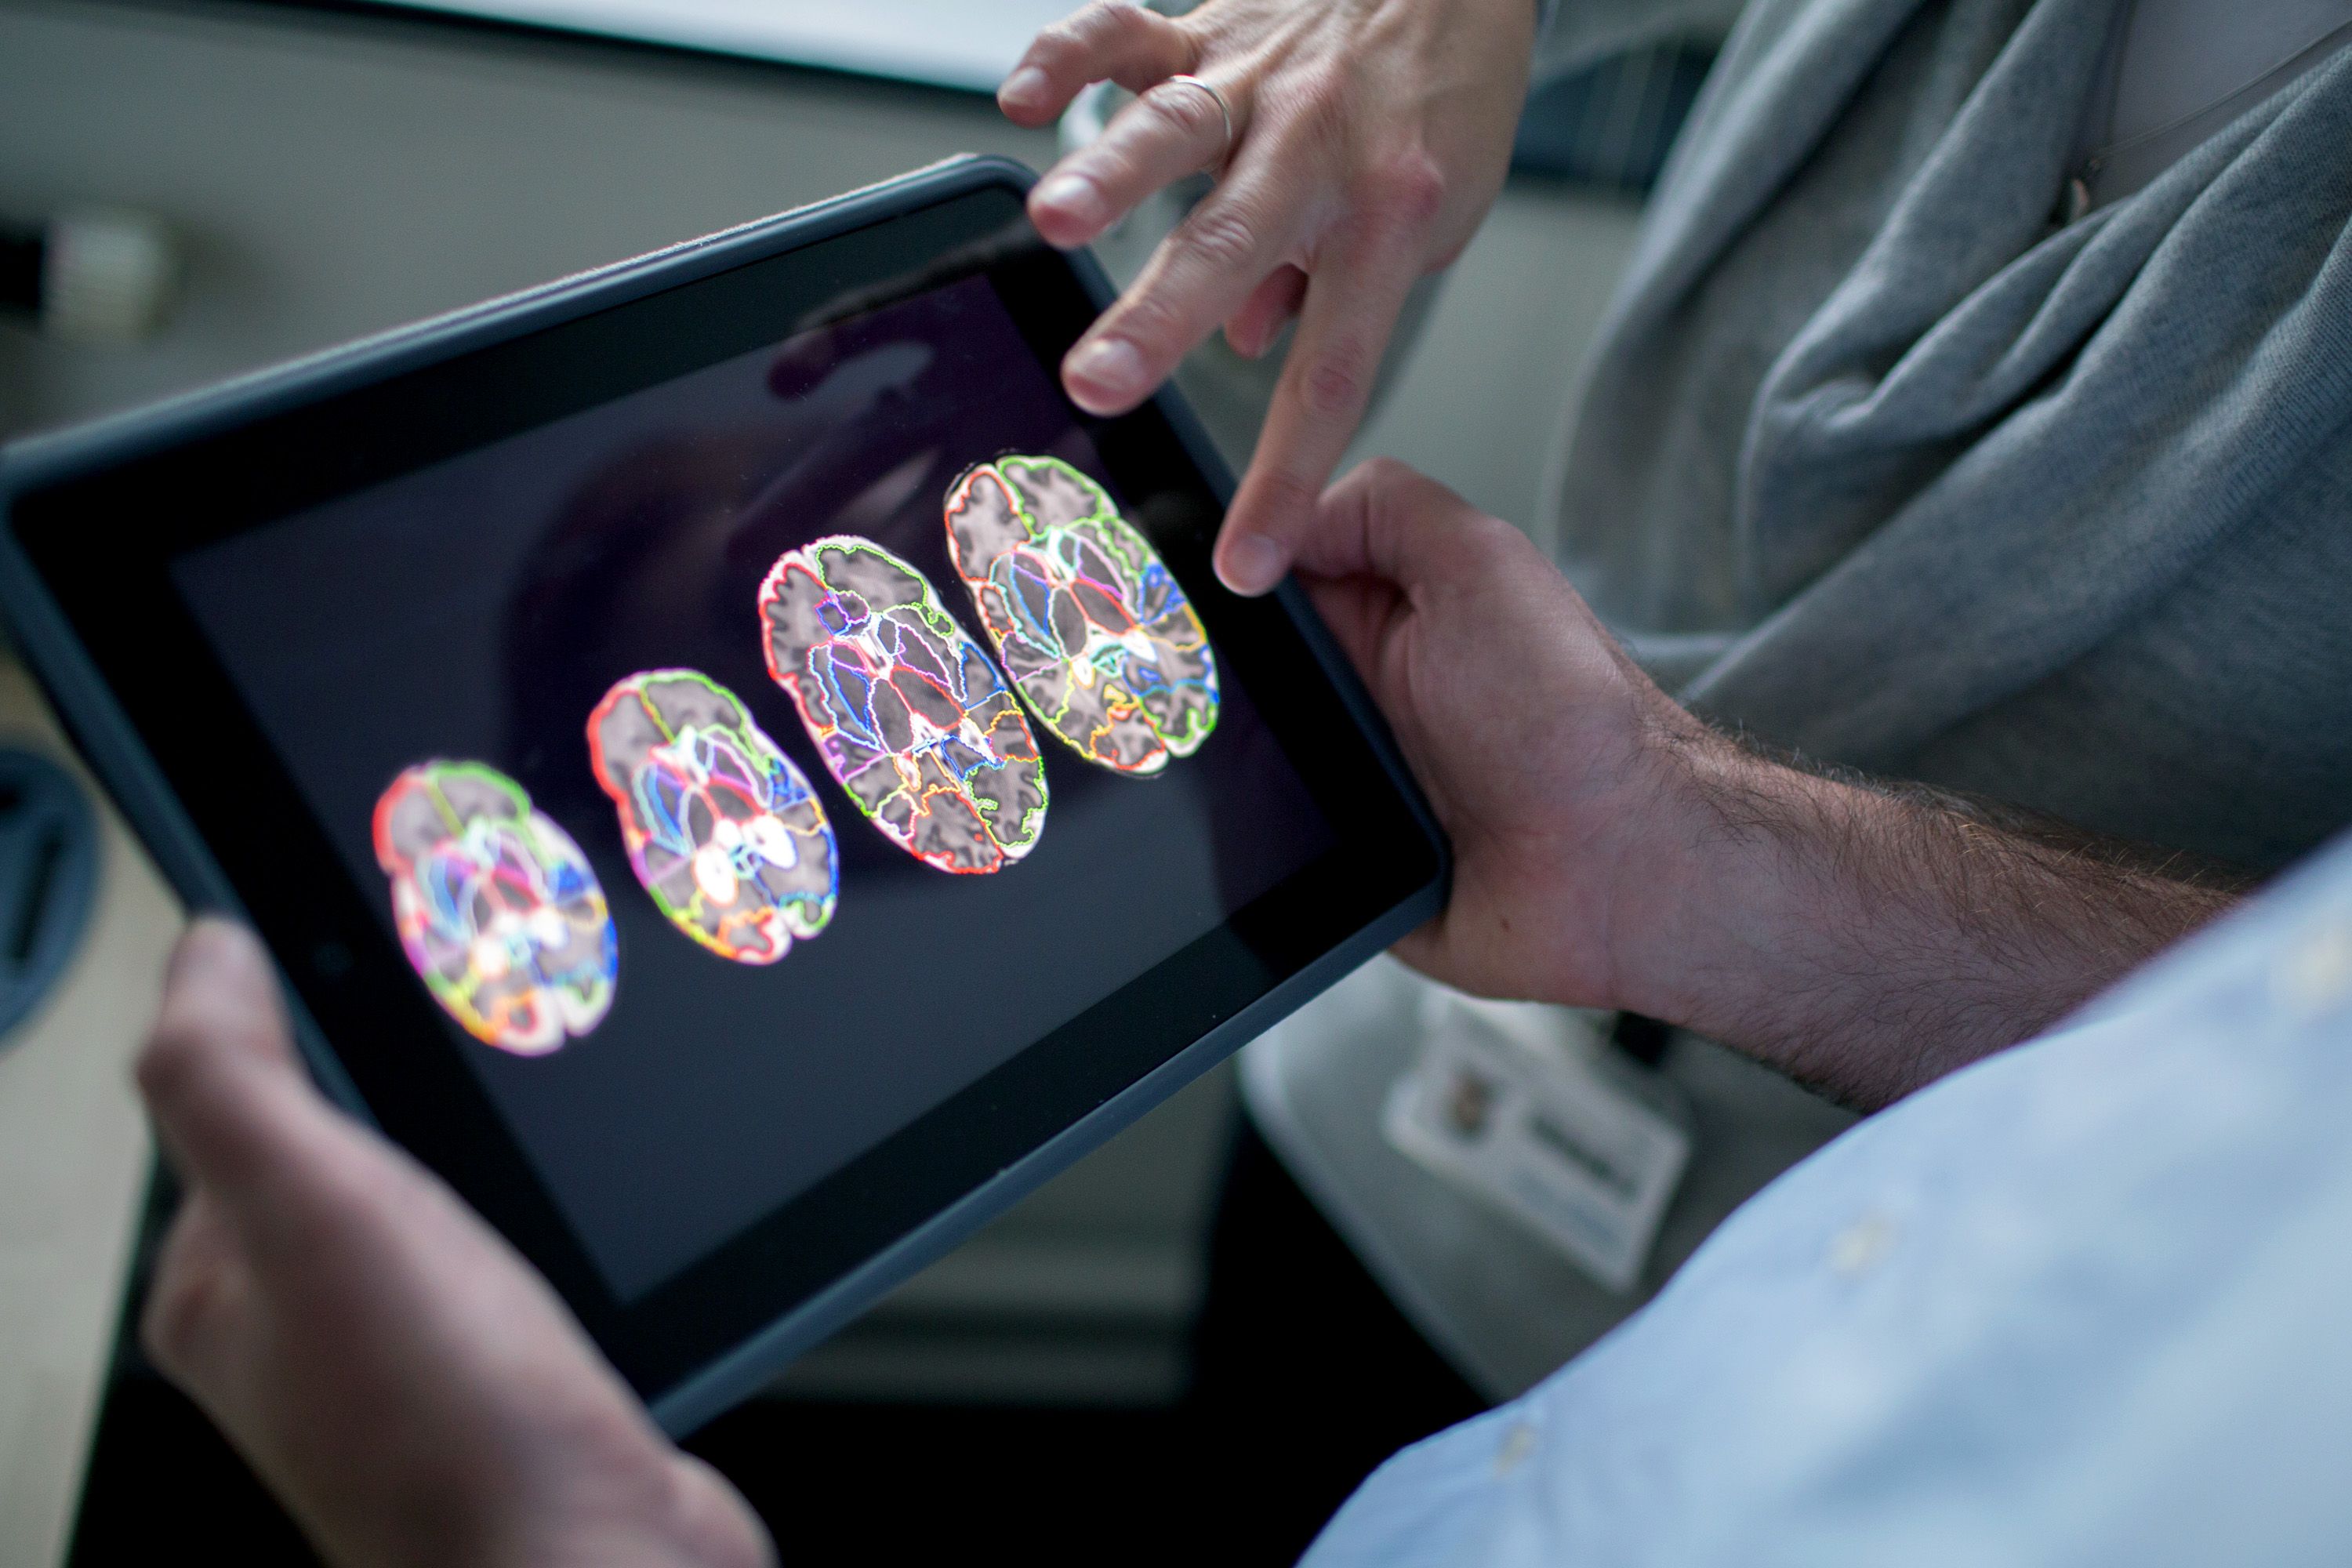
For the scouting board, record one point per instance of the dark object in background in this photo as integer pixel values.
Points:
(1306, 1376)
(48, 878)
(1612, 123)
(1306, 1379)
(159, 1475)
(1644, 1039)
(22, 252)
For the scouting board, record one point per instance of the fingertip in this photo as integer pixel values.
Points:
(1068, 209)
(220, 977)
(1106, 376)
(213, 948)
(1026, 96)
(1250, 563)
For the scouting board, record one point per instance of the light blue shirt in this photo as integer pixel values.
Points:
(2087, 1302)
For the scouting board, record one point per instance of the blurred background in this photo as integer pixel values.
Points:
(191, 189)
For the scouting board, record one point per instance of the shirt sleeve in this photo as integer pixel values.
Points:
(1437, 1502)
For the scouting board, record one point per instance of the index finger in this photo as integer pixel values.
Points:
(1352, 307)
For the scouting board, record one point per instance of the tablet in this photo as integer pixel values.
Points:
(740, 775)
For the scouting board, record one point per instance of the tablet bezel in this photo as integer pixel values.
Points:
(94, 520)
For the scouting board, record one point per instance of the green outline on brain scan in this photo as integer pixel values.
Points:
(1098, 635)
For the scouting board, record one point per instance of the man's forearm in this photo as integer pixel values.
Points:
(1867, 939)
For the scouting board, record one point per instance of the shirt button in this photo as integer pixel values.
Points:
(1858, 1248)
(1518, 1442)
(2315, 974)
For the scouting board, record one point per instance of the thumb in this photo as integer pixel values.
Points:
(1385, 520)
(218, 1073)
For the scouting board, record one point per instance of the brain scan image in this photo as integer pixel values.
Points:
(909, 713)
(1098, 638)
(721, 828)
(496, 906)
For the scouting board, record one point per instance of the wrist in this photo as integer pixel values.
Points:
(1719, 877)
(1865, 937)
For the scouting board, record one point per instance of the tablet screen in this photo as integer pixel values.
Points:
(740, 776)
(752, 762)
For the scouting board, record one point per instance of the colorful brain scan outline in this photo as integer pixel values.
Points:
(721, 828)
(909, 713)
(497, 906)
(1098, 638)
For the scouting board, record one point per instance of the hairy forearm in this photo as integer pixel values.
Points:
(1867, 938)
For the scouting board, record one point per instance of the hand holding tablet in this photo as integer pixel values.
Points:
(628, 661)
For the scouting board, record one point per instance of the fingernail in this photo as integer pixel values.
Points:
(1251, 564)
(1112, 372)
(1072, 196)
(1026, 85)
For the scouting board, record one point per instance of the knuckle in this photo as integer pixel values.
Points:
(180, 1311)
(1055, 48)
(1397, 490)
(1325, 81)
(1067, 44)
(1189, 35)
(1151, 323)
(1337, 378)
(1188, 113)
(1402, 190)
(1109, 19)
(1221, 234)
(1104, 25)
